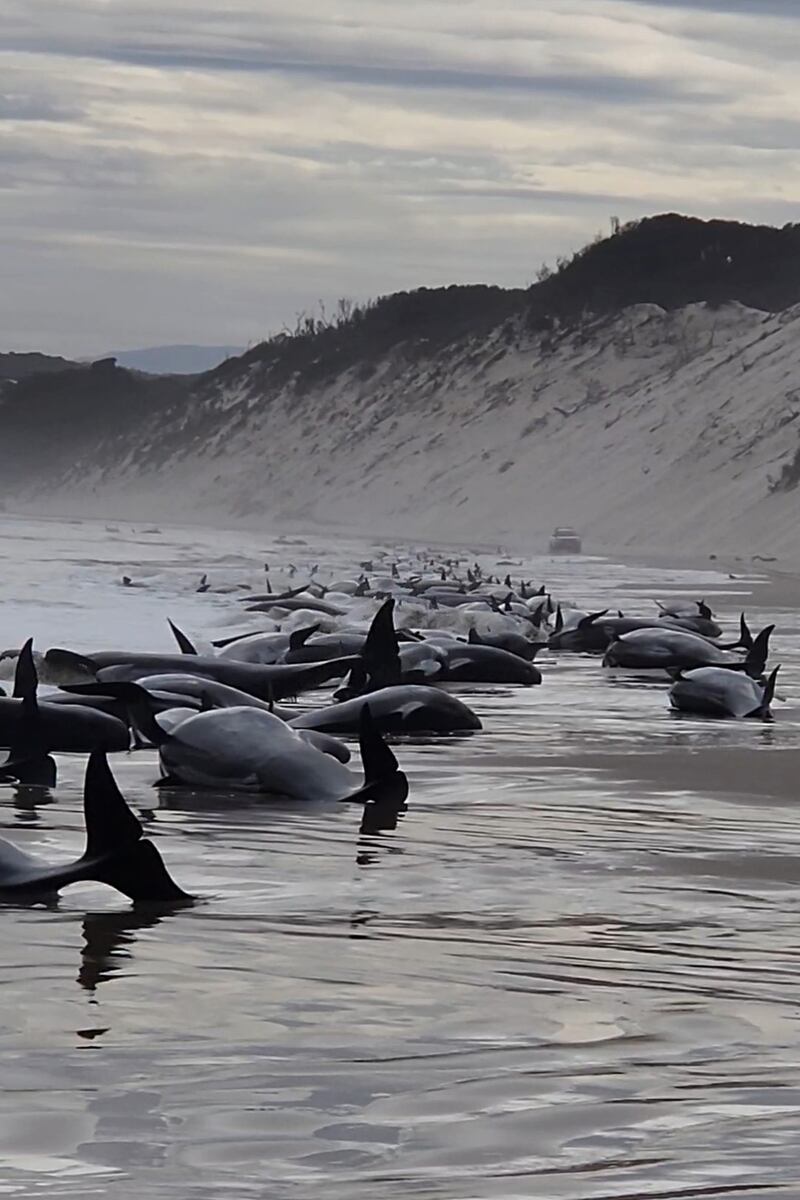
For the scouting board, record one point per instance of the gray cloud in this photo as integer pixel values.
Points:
(786, 9)
(31, 107)
(197, 174)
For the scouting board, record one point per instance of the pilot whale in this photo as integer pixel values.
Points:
(264, 682)
(718, 692)
(245, 749)
(674, 650)
(31, 728)
(409, 708)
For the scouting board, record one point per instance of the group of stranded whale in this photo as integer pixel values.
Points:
(213, 712)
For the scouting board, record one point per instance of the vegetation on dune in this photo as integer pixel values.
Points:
(668, 260)
(56, 413)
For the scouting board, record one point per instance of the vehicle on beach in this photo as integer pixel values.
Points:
(565, 541)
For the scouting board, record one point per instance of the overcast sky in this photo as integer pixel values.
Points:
(183, 170)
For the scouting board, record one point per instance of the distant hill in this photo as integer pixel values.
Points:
(647, 391)
(20, 366)
(174, 360)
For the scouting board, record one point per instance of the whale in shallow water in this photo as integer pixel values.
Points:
(244, 749)
(177, 697)
(467, 663)
(594, 632)
(31, 728)
(717, 692)
(264, 682)
(511, 642)
(115, 854)
(673, 649)
(382, 663)
(408, 708)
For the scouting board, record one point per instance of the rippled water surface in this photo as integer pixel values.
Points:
(573, 970)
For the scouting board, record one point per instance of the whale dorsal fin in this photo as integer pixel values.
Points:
(299, 637)
(585, 622)
(185, 644)
(26, 681)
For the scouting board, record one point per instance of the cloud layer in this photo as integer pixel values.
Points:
(174, 172)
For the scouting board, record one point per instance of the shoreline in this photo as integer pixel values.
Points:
(775, 582)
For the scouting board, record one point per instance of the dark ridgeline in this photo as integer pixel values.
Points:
(672, 261)
(16, 365)
(94, 415)
(80, 412)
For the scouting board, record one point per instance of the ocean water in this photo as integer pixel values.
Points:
(572, 971)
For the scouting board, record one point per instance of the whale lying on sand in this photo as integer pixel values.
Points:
(718, 692)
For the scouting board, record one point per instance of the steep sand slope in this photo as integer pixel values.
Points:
(657, 430)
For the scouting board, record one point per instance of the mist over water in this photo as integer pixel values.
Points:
(571, 972)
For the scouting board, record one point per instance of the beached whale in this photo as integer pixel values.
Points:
(595, 632)
(31, 728)
(466, 663)
(405, 709)
(512, 643)
(245, 749)
(116, 852)
(673, 649)
(189, 695)
(264, 682)
(718, 692)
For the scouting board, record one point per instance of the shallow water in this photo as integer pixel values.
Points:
(573, 971)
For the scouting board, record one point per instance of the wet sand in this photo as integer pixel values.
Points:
(753, 773)
(572, 972)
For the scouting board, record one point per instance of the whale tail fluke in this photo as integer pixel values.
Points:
(764, 710)
(116, 852)
(385, 787)
(745, 639)
(757, 655)
(745, 636)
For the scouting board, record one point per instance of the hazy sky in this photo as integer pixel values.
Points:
(186, 171)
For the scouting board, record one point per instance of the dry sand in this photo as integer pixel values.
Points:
(652, 432)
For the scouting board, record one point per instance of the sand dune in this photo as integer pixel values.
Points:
(655, 430)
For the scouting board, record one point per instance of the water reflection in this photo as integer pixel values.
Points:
(108, 938)
(27, 799)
